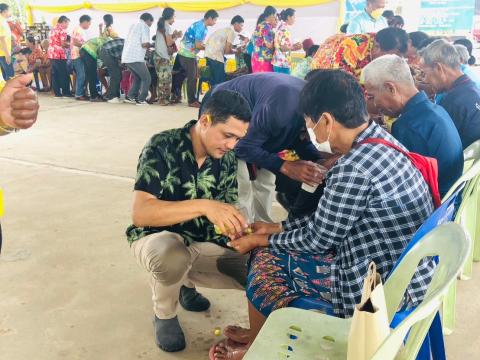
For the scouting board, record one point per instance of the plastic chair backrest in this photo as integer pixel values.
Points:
(452, 245)
(471, 173)
(440, 216)
(472, 152)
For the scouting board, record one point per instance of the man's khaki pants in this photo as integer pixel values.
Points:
(172, 264)
(256, 196)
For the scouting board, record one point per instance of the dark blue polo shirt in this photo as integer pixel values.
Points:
(462, 102)
(427, 129)
(276, 123)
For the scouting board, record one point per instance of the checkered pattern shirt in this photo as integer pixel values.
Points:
(114, 48)
(132, 50)
(373, 203)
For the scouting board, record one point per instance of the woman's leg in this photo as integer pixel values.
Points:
(164, 74)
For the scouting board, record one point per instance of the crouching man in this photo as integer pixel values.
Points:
(185, 189)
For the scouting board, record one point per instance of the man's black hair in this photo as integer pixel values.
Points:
(337, 93)
(226, 103)
(146, 17)
(108, 19)
(4, 7)
(417, 38)
(388, 14)
(85, 18)
(63, 19)
(393, 39)
(237, 19)
(211, 14)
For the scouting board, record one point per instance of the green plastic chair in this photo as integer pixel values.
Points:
(471, 153)
(297, 334)
(467, 216)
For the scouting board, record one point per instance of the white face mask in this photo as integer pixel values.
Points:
(322, 147)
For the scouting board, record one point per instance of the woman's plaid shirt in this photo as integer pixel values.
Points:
(373, 203)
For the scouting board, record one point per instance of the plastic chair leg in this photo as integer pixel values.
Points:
(448, 310)
(435, 337)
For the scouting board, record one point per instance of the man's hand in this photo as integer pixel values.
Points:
(303, 171)
(8, 59)
(247, 243)
(18, 103)
(226, 217)
(262, 228)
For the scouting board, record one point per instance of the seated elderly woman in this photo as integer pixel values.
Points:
(374, 201)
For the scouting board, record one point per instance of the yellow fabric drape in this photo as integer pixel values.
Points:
(200, 6)
(181, 5)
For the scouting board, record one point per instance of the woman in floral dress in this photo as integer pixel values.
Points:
(283, 42)
(263, 41)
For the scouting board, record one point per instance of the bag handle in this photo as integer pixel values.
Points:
(383, 142)
(370, 282)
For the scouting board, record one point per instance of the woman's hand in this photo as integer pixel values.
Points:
(262, 228)
(246, 244)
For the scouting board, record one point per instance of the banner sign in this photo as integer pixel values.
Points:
(446, 17)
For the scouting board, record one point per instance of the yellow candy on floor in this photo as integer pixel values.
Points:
(217, 331)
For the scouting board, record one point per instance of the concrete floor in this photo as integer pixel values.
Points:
(69, 287)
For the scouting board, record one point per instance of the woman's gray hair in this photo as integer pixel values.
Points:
(463, 53)
(387, 68)
(441, 52)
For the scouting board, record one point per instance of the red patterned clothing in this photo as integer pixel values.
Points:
(350, 53)
(55, 49)
(37, 54)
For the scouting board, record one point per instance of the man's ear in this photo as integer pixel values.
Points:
(390, 87)
(205, 121)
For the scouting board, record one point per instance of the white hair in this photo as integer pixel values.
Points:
(441, 52)
(387, 68)
(463, 53)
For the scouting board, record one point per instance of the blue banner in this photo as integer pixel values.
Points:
(447, 16)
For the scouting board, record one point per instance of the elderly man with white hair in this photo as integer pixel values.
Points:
(422, 127)
(442, 66)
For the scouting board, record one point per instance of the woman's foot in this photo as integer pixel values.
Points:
(238, 334)
(228, 350)
(163, 102)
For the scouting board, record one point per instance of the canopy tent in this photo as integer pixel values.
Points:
(317, 19)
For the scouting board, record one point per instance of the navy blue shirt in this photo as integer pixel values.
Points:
(427, 129)
(462, 102)
(276, 124)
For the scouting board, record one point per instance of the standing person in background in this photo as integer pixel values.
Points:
(191, 44)
(5, 43)
(111, 54)
(388, 15)
(58, 56)
(397, 22)
(283, 42)
(263, 41)
(133, 56)
(370, 20)
(219, 44)
(108, 30)
(165, 47)
(89, 55)
(77, 41)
